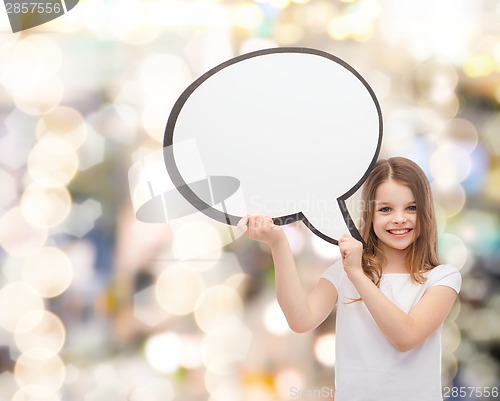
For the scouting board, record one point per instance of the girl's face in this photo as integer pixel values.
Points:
(395, 216)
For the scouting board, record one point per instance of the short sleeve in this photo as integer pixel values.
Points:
(447, 275)
(335, 273)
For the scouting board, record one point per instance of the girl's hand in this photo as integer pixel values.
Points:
(351, 250)
(261, 228)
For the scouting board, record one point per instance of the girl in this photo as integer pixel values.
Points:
(391, 298)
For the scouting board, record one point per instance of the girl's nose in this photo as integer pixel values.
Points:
(399, 218)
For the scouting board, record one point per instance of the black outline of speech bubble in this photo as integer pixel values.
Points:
(233, 220)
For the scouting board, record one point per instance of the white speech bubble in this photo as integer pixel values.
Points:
(299, 128)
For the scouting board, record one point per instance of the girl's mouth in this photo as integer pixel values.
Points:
(399, 231)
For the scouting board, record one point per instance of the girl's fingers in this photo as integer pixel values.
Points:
(242, 224)
(255, 226)
(345, 238)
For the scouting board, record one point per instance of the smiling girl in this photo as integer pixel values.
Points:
(392, 298)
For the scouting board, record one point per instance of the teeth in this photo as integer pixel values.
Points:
(398, 232)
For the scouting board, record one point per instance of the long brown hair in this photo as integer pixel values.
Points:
(422, 254)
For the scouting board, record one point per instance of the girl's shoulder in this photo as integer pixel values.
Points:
(445, 274)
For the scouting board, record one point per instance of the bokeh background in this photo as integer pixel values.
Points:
(96, 305)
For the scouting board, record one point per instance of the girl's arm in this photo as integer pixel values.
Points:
(404, 331)
(304, 312)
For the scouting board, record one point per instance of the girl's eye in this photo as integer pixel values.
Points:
(412, 208)
(385, 209)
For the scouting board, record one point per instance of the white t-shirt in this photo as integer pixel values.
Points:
(367, 366)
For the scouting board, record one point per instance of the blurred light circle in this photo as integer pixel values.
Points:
(449, 368)
(177, 290)
(436, 81)
(52, 54)
(338, 28)
(156, 389)
(448, 108)
(92, 151)
(39, 376)
(455, 311)
(23, 395)
(217, 305)
(236, 281)
(52, 162)
(315, 16)
(136, 372)
(478, 229)
(451, 338)
(164, 352)
(40, 97)
(287, 379)
(229, 391)
(324, 349)
(380, 82)
(274, 319)
(479, 327)
(490, 132)
(79, 21)
(65, 123)
(225, 345)
(401, 126)
(9, 189)
(18, 236)
(481, 370)
(16, 300)
(72, 374)
(451, 199)
(441, 219)
(357, 24)
(128, 92)
(430, 118)
(191, 356)
(18, 58)
(11, 273)
(479, 65)
(363, 33)
(153, 116)
(45, 207)
(40, 329)
(247, 16)
(117, 121)
(452, 250)
(492, 189)
(461, 132)
(49, 271)
(279, 3)
(131, 23)
(288, 33)
(449, 165)
(20, 55)
(164, 75)
(490, 321)
(213, 380)
(196, 238)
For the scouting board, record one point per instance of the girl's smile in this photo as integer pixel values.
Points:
(399, 233)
